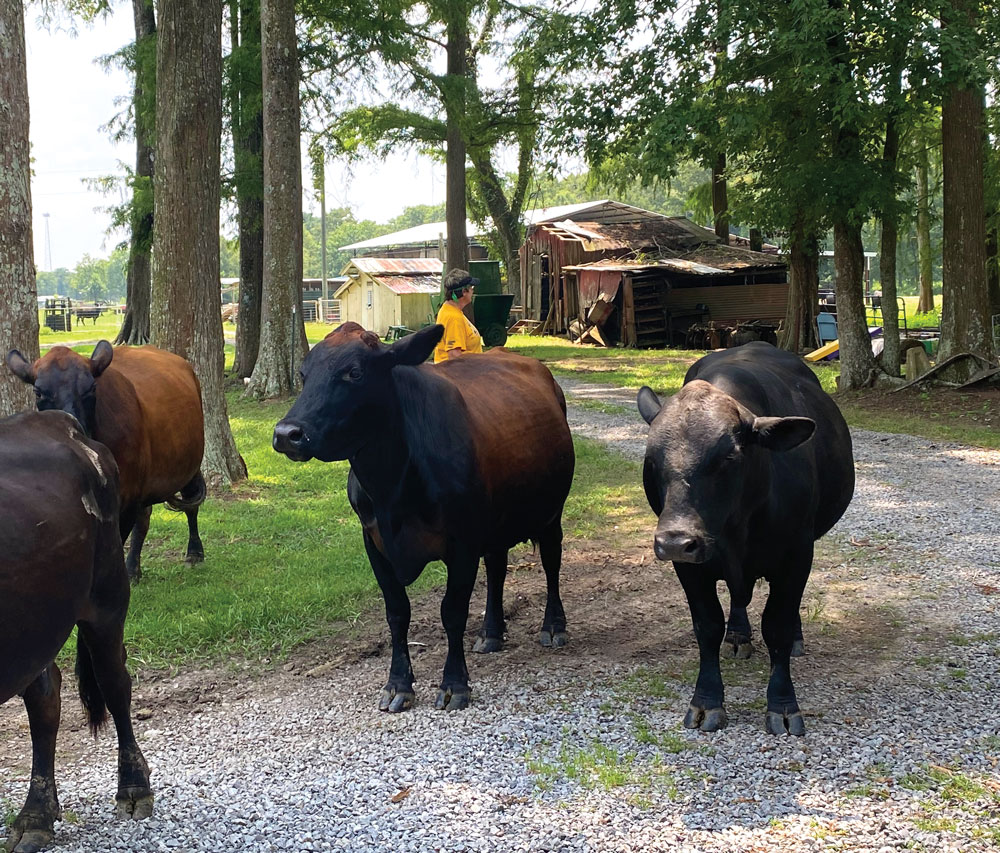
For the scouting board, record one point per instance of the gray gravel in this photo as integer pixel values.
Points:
(901, 751)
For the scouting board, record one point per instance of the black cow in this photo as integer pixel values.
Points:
(62, 567)
(453, 461)
(742, 493)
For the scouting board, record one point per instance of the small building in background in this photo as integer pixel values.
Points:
(617, 274)
(429, 240)
(379, 293)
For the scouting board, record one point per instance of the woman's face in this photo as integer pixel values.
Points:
(466, 297)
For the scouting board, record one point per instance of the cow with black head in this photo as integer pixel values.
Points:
(452, 461)
(144, 403)
(746, 466)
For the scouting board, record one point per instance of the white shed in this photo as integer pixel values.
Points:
(384, 292)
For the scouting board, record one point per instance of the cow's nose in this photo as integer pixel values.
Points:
(287, 437)
(679, 546)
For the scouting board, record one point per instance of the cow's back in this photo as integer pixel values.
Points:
(517, 424)
(149, 413)
(775, 383)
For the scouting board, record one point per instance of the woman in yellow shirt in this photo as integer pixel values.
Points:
(459, 334)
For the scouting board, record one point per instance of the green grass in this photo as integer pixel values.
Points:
(106, 327)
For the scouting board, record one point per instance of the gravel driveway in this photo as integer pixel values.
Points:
(899, 684)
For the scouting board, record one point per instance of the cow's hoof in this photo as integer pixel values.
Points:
(134, 574)
(705, 719)
(29, 841)
(553, 639)
(738, 646)
(395, 699)
(777, 723)
(194, 557)
(486, 645)
(453, 698)
(798, 649)
(134, 804)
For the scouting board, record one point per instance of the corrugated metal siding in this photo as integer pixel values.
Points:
(410, 283)
(733, 304)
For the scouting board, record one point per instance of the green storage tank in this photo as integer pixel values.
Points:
(490, 305)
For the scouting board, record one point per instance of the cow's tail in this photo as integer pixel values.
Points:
(190, 497)
(91, 694)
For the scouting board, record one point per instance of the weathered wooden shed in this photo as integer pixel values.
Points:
(661, 301)
(384, 292)
(601, 230)
(654, 275)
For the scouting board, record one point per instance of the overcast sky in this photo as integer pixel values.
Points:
(72, 97)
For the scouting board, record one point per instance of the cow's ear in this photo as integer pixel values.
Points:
(781, 434)
(101, 358)
(20, 367)
(416, 348)
(649, 404)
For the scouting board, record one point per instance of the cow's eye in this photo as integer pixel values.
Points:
(354, 374)
(38, 394)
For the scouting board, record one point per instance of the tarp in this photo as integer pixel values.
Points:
(598, 284)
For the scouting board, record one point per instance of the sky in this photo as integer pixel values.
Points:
(71, 97)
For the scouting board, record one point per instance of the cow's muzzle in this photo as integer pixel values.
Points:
(680, 546)
(289, 438)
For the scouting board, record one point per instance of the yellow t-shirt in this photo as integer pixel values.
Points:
(459, 333)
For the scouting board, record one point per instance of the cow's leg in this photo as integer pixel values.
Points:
(104, 681)
(553, 633)
(139, 531)
(739, 634)
(778, 626)
(397, 695)
(490, 637)
(707, 711)
(798, 644)
(191, 499)
(32, 829)
(454, 693)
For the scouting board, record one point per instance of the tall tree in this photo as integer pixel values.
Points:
(247, 122)
(965, 316)
(455, 86)
(282, 339)
(925, 258)
(135, 323)
(186, 315)
(18, 305)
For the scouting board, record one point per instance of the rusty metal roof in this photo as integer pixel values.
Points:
(398, 266)
(708, 259)
(672, 234)
(410, 283)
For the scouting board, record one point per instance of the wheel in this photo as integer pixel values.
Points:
(495, 335)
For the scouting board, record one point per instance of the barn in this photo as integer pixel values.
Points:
(382, 292)
(639, 278)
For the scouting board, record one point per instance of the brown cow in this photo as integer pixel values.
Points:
(62, 567)
(452, 462)
(145, 405)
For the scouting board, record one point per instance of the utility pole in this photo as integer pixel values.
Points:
(48, 245)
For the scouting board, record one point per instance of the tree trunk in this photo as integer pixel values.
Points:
(248, 146)
(887, 256)
(803, 292)
(455, 198)
(282, 339)
(720, 198)
(965, 310)
(186, 301)
(135, 323)
(925, 258)
(18, 305)
(856, 360)
(993, 268)
(506, 220)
